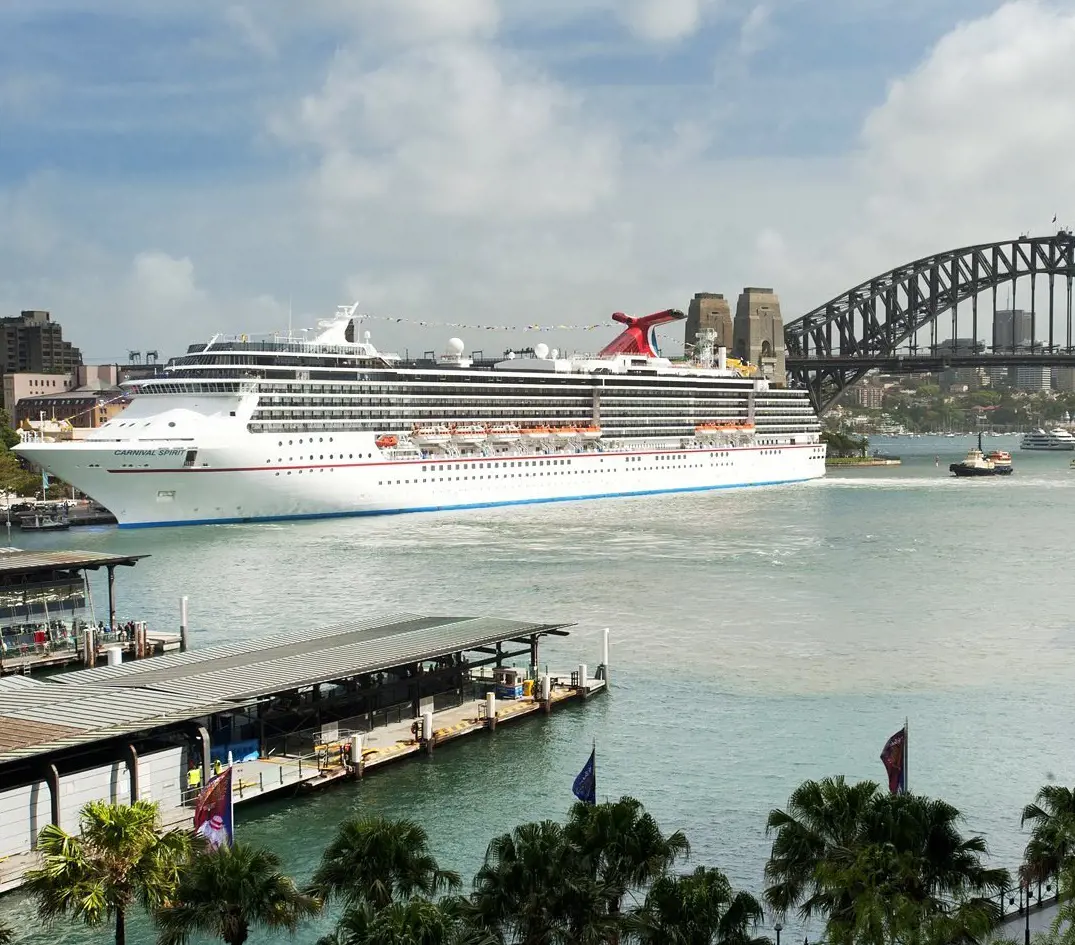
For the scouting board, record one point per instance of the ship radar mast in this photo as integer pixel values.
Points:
(706, 345)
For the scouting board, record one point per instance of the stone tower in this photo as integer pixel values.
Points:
(709, 310)
(759, 333)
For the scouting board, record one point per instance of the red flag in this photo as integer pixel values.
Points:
(894, 758)
(212, 811)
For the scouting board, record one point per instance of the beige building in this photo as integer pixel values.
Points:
(868, 395)
(23, 384)
(87, 406)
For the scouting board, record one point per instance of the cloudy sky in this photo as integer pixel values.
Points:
(173, 168)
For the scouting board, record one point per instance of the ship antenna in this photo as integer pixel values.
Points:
(289, 316)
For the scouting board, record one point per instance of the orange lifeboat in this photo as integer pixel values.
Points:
(387, 441)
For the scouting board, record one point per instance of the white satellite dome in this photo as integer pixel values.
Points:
(456, 346)
(555, 353)
(511, 355)
(541, 351)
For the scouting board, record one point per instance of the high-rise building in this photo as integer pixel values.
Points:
(959, 347)
(1011, 330)
(34, 343)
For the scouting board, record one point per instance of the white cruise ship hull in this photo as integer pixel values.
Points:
(152, 483)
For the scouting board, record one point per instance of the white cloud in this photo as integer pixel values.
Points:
(663, 20)
(453, 128)
(975, 143)
(412, 21)
(464, 181)
(754, 32)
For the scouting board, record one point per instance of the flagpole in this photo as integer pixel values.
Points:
(906, 755)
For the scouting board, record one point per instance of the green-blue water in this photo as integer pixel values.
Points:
(759, 638)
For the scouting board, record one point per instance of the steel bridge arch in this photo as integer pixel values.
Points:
(834, 346)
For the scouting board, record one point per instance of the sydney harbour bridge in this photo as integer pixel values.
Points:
(913, 318)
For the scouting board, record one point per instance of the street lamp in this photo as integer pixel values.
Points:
(778, 928)
(1026, 917)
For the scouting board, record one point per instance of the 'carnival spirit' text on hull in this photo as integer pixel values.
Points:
(239, 430)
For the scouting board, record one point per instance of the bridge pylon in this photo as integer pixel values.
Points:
(759, 333)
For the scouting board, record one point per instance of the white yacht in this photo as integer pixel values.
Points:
(1058, 440)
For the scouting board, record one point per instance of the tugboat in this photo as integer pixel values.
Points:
(976, 463)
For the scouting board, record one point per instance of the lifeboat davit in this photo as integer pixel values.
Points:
(470, 434)
(590, 433)
(431, 436)
(504, 433)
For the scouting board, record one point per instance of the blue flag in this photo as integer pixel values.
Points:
(585, 786)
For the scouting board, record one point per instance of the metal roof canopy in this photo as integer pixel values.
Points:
(16, 563)
(110, 701)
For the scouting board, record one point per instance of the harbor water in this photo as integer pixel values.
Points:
(759, 638)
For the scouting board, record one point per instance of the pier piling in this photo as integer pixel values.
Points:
(183, 624)
(490, 710)
(604, 655)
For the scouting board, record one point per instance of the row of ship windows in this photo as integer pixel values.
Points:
(679, 384)
(621, 429)
(477, 389)
(500, 408)
(715, 457)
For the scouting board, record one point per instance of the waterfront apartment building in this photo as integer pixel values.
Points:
(870, 396)
(33, 343)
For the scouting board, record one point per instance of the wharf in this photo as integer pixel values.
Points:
(33, 659)
(43, 595)
(289, 714)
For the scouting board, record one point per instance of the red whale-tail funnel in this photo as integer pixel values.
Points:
(640, 335)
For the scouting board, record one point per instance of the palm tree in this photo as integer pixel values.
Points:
(822, 818)
(697, 909)
(622, 847)
(375, 860)
(120, 857)
(1052, 836)
(881, 867)
(531, 890)
(227, 891)
(410, 922)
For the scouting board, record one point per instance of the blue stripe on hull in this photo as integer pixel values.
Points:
(453, 508)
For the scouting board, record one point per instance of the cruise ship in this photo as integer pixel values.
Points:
(241, 430)
(1058, 440)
